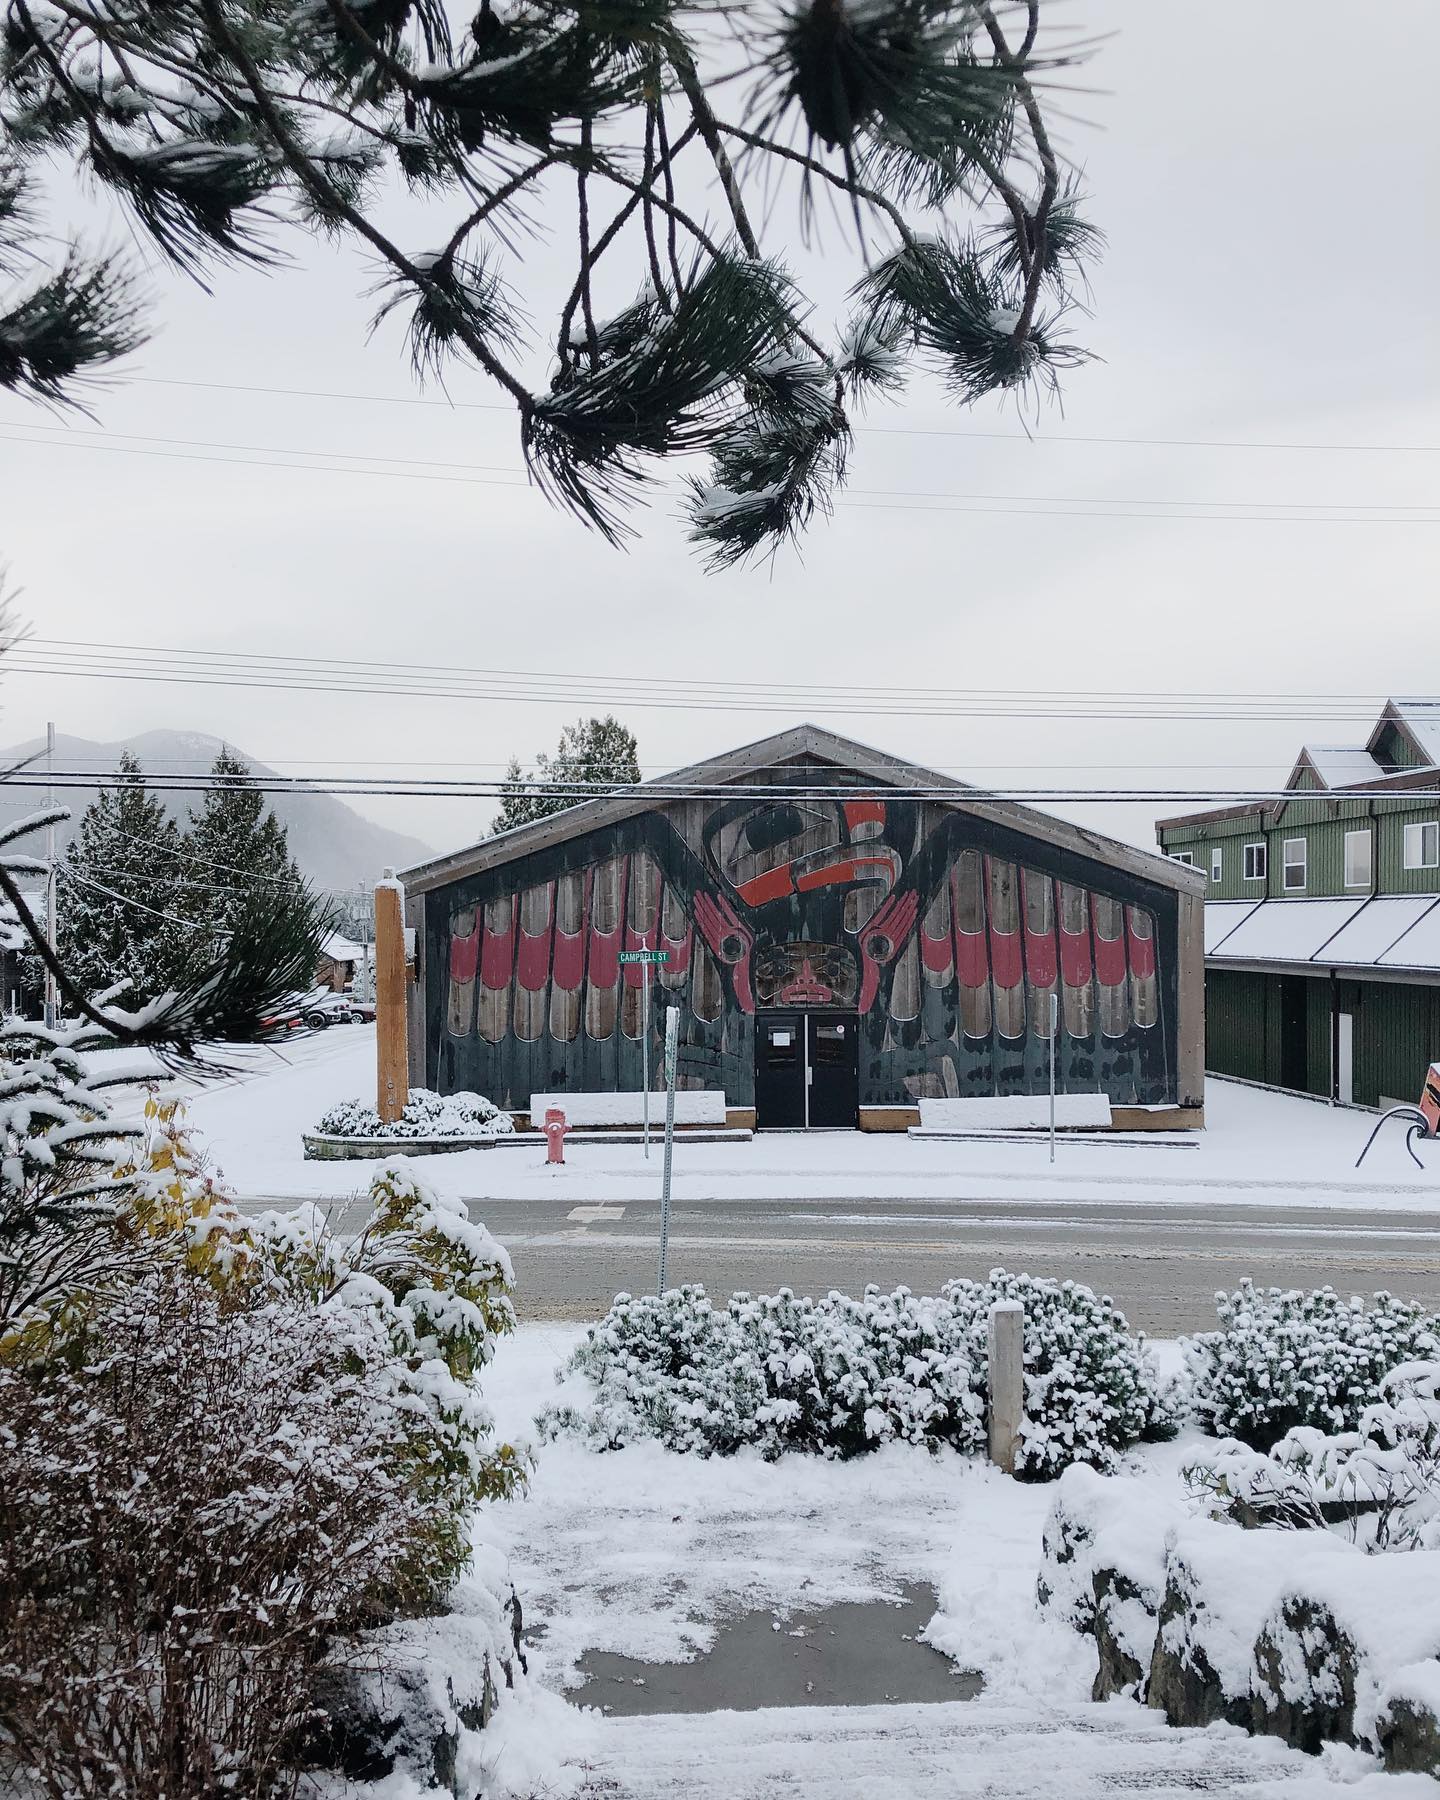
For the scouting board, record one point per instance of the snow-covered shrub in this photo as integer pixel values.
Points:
(186, 1520)
(666, 1367)
(1377, 1484)
(383, 1332)
(839, 1376)
(1091, 1389)
(1283, 1359)
(427, 1114)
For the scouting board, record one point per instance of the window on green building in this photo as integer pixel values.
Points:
(1422, 845)
(1293, 853)
(1358, 858)
(1185, 856)
(1217, 864)
(1255, 862)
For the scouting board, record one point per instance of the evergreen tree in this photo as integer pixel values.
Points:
(593, 753)
(236, 852)
(121, 912)
(211, 126)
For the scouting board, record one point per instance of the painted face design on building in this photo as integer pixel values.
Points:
(807, 876)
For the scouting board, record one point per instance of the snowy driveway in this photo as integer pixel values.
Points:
(644, 1552)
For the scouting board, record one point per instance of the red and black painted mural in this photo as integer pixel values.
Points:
(948, 934)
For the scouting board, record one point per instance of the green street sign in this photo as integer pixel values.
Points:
(644, 956)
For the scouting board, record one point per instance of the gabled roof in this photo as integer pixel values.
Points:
(1338, 766)
(1418, 722)
(747, 767)
(1334, 768)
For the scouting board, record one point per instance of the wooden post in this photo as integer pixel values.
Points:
(1007, 1381)
(391, 1067)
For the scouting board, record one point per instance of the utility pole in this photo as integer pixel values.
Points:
(50, 994)
(392, 1075)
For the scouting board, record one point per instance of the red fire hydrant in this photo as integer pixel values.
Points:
(555, 1129)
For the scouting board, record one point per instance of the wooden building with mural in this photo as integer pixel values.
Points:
(846, 935)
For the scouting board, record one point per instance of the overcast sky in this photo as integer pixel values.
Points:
(1268, 182)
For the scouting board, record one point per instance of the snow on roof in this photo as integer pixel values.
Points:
(1419, 948)
(1344, 765)
(1375, 928)
(1287, 930)
(1221, 918)
(1422, 720)
(340, 948)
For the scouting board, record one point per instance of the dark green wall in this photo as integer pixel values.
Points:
(1323, 824)
(1396, 1033)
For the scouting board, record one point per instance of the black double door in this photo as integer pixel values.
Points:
(807, 1070)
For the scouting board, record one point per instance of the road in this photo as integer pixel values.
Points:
(1161, 1264)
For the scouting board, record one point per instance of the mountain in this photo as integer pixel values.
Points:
(334, 847)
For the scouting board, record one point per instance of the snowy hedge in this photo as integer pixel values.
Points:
(840, 1376)
(1283, 1359)
(426, 1115)
(298, 1413)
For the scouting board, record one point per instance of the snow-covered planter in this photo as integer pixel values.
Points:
(426, 1115)
(840, 1376)
(1286, 1359)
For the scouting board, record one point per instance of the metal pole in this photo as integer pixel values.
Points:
(672, 1043)
(645, 1048)
(1054, 1033)
(50, 991)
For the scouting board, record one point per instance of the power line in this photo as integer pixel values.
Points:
(575, 792)
(139, 906)
(1008, 437)
(238, 670)
(65, 434)
(1080, 508)
(1301, 698)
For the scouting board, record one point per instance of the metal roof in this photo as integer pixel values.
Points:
(747, 767)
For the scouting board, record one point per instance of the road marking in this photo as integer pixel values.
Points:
(590, 1215)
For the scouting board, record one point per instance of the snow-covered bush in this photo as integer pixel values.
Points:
(426, 1115)
(1091, 1389)
(1283, 1359)
(304, 1375)
(185, 1521)
(840, 1376)
(1379, 1485)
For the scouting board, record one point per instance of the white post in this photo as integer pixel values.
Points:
(1006, 1348)
(50, 990)
(645, 1048)
(1054, 1033)
(672, 1045)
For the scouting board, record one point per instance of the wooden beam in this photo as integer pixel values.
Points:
(391, 1077)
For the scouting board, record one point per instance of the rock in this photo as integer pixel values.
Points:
(1182, 1683)
(1407, 1728)
(402, 1695)
(1125, 1625)
(1303, 1686)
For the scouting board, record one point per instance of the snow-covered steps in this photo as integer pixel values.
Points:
(947, 1752)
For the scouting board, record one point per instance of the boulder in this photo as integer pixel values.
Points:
(1407, 1727)
(400, 1697)
(1125, 1624)
(1303, 1684)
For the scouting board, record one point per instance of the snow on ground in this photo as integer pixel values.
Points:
(645, 1552)
(1257, 1145)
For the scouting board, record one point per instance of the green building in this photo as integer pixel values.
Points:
(1322, 918)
